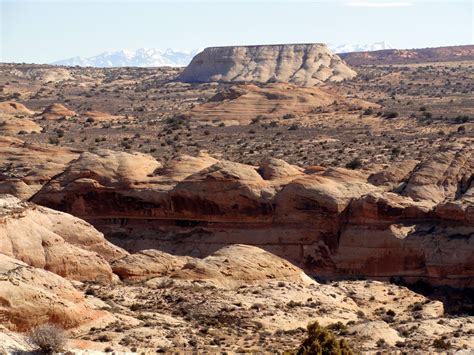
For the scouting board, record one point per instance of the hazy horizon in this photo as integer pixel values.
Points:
(48, 31)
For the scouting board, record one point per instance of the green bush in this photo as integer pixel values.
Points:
(320, 340)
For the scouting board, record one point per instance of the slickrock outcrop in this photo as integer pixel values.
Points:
(446, 175)
(244, 103)
(394, 176)
(243, 287)
(25, 168)
(13, 126)
(56, 111)
(148, 264)
(300, 64)
(30, 296)
(273, 168)
(14, 108)
(230, 266)
(13, 120)
(237, 265)
(55, 241)
(330, 221)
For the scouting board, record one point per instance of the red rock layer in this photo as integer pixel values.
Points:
(415, 223)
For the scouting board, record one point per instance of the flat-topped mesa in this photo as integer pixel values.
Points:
(300, 64)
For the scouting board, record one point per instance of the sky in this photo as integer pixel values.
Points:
(38, 31)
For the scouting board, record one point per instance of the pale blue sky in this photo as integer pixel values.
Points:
(45, 31)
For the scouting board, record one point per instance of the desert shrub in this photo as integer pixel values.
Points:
(390, 114)
(427, 115)
(368, 111)
(417, 306)
(441, 343)
(320, 340)
(288, 116)
(53, 140)
(390, 313)
(355, 163)
(48, 338)
(461, 119)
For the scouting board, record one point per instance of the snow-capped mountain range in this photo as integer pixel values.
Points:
(347, 48)
(153, 57)
(143, 57)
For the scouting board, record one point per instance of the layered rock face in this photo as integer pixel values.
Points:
(300, 64)
(413, 221)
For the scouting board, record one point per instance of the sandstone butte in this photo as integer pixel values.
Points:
(413, 221)
(300, 64)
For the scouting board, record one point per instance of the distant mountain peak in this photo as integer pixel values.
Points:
(348, 48)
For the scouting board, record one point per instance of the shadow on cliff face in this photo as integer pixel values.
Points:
(456, 301)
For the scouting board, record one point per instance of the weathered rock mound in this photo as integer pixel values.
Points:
(13, 120)
(56, 111)
(14, 108)
(230, 266)
(300, 64)
(29, 166)
(244, 103)
(237, 264)
(30, 296)
(13, 126)
(54, 241)
(147, 264)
